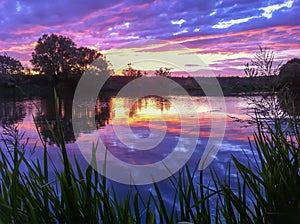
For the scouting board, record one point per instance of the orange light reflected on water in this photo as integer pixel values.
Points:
(175, 113)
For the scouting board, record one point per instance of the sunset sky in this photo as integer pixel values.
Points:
(225, 34)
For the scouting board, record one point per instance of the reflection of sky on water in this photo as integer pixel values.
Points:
(148, 110)
(145, 111)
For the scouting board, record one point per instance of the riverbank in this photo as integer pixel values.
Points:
(39, 86)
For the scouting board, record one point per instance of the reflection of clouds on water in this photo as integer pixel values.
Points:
(235, 140)
(144, 110)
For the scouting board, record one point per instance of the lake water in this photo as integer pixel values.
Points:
(143, 116)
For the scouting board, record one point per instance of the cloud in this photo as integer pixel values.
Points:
(178, 22)
(206, 27)
(191, 65)
(226, 24)
(269, 10)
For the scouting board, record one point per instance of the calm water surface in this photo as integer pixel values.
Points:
(143, 112)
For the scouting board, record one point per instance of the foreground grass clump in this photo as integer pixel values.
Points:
(27, 195)
(266, 191)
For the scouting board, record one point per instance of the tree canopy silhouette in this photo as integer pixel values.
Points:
(130, 71)
(290, 73)
(9, 65)
(56, 55)
(163, 72)
(289, 78)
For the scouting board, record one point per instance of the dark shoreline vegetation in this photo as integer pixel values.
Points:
(265, 192)
(38, 85)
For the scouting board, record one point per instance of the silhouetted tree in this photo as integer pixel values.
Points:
(9, 65)
(130, 71)
(289, 78)
(290, 73)
(163, 72)
(55, 55)
(85, 59)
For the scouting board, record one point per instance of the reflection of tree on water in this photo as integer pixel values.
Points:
(290, 101)
(103, 109)
(46, 117)
(11, 112)
(102, 112)
(86, 118)
(160, 103)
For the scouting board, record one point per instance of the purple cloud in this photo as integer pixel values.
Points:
(216, 27)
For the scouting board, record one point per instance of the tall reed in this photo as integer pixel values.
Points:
(267, 190)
